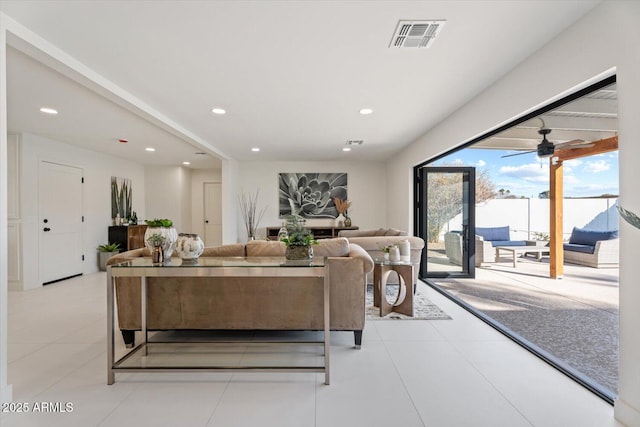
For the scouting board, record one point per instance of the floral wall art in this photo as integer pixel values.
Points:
(311, 195)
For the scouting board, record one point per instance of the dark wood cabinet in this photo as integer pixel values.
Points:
(327, 232)
(128, 236)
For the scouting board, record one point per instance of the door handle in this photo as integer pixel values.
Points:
(47, 229)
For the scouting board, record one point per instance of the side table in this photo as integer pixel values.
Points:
(404, 300)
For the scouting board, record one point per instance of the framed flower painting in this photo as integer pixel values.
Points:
(310, 195)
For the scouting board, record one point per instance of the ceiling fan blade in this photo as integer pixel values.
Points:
(571, 144)
(518, 154)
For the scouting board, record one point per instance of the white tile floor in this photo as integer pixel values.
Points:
(441, 373)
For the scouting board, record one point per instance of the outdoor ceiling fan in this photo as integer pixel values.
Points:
(547, 148)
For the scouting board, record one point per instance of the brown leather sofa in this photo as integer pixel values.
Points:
(233, 303)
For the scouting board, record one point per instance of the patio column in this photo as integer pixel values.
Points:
(556, 254)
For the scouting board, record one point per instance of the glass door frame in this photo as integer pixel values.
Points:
(468, 232)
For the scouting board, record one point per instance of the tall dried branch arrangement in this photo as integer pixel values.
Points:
(250, 214)
(341, 205)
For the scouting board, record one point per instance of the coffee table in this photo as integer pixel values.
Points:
(404, 300)
(521, 250)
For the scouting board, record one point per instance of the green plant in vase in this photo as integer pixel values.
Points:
(164, 227)
(299, 239)
(105, 252)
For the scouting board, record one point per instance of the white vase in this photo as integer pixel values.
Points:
(394, 254)
(189, 246)
(340, 221)
(170, 238)
(405, 250)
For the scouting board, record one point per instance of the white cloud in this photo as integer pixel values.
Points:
(532, 172)
(457, 162)
(570, 165)
(570, 179)
(596, 167)
(481, 163)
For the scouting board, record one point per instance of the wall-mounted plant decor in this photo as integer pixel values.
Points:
(310, 195)
(121, 197)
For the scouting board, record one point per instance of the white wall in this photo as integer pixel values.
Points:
(528, 216)
(168, 195)
(5, 388)
(605, 38)
(198, 178)
(98, 169)
(366, 183)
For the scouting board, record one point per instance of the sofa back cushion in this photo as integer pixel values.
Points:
(332, 247)
(325, 247)
(371, 233)
(265, 248)
(224, 250)
(493, 233)
(590, 237)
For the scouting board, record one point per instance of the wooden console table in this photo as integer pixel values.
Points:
(321, 232)
(208, 267)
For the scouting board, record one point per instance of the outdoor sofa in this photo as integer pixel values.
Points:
(592, 248)
(487, 238)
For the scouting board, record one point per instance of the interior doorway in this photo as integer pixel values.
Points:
(212, 214)
(60, 216)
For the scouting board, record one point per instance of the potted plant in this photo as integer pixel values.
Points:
(299, 240)
(342, 206)
(163, 227)
(385, 251)
(105, 252)
(250, 214)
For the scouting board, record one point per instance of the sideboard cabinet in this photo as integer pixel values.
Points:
(127, 236)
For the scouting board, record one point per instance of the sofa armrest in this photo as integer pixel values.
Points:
(607, 251)
(485, 252)
(356, 251)
(126, 256)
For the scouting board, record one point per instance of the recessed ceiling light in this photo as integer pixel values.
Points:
(150, 149)
(255, 149)
(218, 111)
(186, 163)
(346, 149)
(47, 110)
(366, 111)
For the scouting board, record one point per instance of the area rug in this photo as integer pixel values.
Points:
(423, 309)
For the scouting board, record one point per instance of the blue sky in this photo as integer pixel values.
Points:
(527, 175)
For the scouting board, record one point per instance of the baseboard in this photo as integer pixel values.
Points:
(627, 415)
(6, 394)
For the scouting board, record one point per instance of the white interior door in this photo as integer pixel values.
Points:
(60, 221)
(212, 213)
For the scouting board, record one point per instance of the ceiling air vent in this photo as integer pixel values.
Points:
(420, 34)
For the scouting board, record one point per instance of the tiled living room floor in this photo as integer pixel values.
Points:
(442, 373)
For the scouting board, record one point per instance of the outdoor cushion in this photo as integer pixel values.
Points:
(587, 249)
(495, 243)
(493, 233)
(590, 237)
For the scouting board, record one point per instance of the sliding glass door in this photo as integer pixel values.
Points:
(445, 213)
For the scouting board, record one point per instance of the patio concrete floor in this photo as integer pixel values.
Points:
(574, 318)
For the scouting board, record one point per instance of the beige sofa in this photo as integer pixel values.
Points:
(373, 241)
(233, 303)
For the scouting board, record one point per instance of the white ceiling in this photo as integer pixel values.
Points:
(291, 74)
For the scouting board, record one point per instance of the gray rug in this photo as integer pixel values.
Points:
(423, 309)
